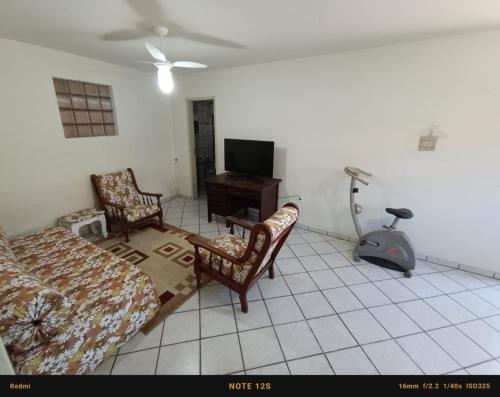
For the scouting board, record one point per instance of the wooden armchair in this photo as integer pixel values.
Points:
(237, 264)
(125, 204)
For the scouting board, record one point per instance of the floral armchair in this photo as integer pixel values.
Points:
(237, 264)
(125, 204)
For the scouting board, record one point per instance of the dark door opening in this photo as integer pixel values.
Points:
(204, 141)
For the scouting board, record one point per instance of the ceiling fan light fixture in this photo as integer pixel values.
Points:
(165, 79)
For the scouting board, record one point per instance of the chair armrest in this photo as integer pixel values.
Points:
(118, 209)
(117, 206)
(146, 197)
(150, 194)
(196, 239)
(200, 241)
(235, 221)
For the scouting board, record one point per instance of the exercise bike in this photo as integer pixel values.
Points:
(388, 248)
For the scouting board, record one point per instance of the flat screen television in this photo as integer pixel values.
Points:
(252, 158)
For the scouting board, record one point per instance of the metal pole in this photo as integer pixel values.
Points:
(353, 207)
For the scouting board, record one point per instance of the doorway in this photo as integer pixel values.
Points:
(204, 141)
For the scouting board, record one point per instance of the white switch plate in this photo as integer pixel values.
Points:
(427, 143)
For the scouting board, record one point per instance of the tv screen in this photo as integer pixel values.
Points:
(254, 158)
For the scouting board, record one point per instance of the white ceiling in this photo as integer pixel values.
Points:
(225, 33)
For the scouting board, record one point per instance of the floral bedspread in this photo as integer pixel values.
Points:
(106, 300)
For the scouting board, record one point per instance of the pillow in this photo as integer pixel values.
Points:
(30, 313)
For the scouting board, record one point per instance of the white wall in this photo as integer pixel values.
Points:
(43, 175)
(368, 108)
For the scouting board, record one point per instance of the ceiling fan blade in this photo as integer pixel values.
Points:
(148, 62)
(125, 35)
(177, 31)
(188, 64)
(148, 10)
(155, 52)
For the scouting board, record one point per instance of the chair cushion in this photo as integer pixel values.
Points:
(140, 211)
(234, 246)
(118, 188)
(277, 223)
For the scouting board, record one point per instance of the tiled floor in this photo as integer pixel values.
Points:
(323, 314)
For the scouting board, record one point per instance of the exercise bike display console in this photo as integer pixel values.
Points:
(388, 248)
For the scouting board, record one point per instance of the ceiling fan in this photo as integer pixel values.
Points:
(165, 80)
(151, 13)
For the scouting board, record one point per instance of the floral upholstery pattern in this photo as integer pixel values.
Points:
(234, 246)
(32, 314)
(118, 188)
(140, 211)
(75, 217)
(71, 302)
(277, 223)
(238, 264)
(6, 253)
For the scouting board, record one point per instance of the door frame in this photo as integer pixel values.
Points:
(191, 140)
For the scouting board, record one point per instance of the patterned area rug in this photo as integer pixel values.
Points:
(167, 257)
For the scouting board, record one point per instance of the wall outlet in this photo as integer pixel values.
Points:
(427, 143)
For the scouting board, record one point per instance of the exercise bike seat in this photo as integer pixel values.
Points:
(403, 213)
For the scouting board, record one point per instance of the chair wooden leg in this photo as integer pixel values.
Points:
(198, 276)
(271, 271)
(244, 302)
(125, 232)
(160, 219)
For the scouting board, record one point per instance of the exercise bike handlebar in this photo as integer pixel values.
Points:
(354, 172)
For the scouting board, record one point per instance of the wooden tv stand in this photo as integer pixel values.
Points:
(228, 193)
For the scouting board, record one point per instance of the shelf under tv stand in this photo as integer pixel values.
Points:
(229, 193)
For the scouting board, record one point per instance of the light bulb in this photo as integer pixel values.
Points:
(165, 80)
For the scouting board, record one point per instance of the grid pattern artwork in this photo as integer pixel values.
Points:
(322, 314)
(86, 109)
